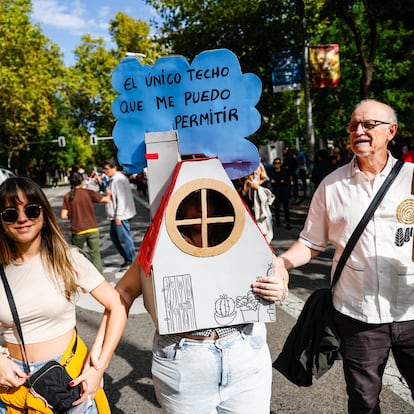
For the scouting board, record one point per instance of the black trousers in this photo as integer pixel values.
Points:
(365, 350)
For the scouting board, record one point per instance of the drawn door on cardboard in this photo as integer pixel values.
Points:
(204, 218)
(179, 303)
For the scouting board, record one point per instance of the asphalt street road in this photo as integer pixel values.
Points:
(128, 378)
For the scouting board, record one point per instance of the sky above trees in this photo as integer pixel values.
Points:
(66, 21)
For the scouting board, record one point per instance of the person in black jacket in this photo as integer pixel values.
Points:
(280, 182)
(322, 167)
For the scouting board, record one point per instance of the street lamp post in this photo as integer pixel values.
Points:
(310, 134)
(297, 104)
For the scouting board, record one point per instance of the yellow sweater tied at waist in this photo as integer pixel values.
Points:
(21, 401)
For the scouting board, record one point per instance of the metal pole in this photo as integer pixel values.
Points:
(306, 81)
(297, 103)
(308, 106)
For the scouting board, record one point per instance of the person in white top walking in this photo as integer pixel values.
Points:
(120, 210)
(374, 297)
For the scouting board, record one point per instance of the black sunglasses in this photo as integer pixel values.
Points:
(11, 214)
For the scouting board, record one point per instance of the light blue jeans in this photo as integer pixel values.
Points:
(228, 375)
(37, 365)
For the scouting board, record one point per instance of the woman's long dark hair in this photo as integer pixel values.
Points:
(75, 181)
(54, 247)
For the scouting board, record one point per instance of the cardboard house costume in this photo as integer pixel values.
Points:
(187, 287)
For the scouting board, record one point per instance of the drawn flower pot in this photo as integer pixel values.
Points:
(250, 315)
(249, 307)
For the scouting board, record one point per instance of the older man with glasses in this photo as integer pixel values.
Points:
(374, 297)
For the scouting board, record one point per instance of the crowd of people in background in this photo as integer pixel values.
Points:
(269, 192)
(281, 181)
(112, 187)
(96, 179)
(293, 169)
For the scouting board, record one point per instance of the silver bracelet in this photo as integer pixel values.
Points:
(4, 351)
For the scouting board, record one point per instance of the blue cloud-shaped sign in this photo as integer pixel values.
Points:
(209, 102)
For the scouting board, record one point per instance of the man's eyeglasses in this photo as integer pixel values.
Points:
(366, 125)
(11, 214)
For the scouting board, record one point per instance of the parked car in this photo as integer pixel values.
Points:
(4, 174)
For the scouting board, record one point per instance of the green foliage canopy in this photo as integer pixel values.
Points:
(30, 75)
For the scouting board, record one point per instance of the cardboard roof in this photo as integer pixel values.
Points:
(149, 243)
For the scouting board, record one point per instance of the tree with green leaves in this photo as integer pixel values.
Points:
(375, 50)
(375, 56)
(251, 31)
(89, 95)
(31, 70)
(40, 99)
(88, 84)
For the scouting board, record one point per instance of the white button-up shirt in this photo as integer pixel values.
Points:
(121, 204)
(377, 283)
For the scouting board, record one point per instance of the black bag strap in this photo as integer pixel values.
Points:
(365, 219)
(15, 316)
(16, 320)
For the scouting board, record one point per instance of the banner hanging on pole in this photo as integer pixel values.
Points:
(325, 66)
(286, 70)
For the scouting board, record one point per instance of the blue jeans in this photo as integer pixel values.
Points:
(122, 239)
(228, 375)
(37, 365)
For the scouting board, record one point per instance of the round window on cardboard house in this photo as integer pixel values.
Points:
(205, 217)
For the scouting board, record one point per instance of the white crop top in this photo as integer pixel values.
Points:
(43, 309)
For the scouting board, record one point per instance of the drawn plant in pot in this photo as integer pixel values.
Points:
(249, 306)
(225, 310)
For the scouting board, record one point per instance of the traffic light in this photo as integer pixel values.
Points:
(61, 141)
(94, 139)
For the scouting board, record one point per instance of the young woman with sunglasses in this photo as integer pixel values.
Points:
(40, 265)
